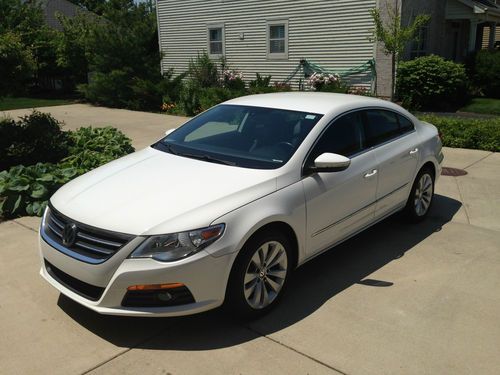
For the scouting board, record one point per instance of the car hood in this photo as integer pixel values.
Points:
(153, 192)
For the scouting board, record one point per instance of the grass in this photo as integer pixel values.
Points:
(484, 106)
(20, 103)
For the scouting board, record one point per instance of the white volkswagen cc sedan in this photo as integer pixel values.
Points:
(224, 208)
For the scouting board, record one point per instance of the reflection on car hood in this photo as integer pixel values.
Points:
(152, 192)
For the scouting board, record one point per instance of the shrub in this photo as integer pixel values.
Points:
(189, 100)
(203, 71)
(214, 95)
(34, 138)
(326, 83)
(260, 82)
(430, 82)
(26, 189)
(487, 73)
(93, 147)
(480, 134)
(170, 87)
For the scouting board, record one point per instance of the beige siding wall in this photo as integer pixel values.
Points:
(332, 33)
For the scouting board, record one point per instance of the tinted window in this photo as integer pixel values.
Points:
(252, 137)
(382, 126)
(344, 137)
(405, 125)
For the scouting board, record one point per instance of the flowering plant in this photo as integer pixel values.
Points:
(318, 80)
(232, 79)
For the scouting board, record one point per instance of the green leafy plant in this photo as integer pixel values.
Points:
(487, 73)
(480, 134)
(34, 138)
(93, 147)
(203, 71)
(430, 82)
(26, 190)
(394, 35)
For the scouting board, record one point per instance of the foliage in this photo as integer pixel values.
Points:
(487, 72)
(483, 105)
(480, 134)
(170, 87)
(214, 95)
(430, 82)
(122, 54)
(203, 71)
(17, 64)
(260, 82)
(26, 189)
(394, 36)
(92, 147)
(34, 138)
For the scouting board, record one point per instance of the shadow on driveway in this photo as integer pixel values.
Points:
(311, 286)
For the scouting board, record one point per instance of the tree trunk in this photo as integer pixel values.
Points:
(393, 83)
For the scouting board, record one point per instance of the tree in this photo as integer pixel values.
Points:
(16, 64)
(394, 35)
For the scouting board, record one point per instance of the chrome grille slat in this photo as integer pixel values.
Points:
(98, 240)
(92, 245)
(56, 222)
(56, 231)
(97, 249)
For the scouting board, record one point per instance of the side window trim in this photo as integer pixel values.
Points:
(311, 149)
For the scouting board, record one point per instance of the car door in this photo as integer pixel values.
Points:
(393, 138)
(340, 203)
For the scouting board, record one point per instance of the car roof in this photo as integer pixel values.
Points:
(314, 102)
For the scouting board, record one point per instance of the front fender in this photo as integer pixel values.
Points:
(286, 205)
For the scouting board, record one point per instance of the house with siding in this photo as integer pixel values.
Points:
(273, 37)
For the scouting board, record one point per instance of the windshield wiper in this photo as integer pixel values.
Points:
(206, 157)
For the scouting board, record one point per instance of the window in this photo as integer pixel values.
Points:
(419, 46)
(405, 125)
(277, 40)
(216, 40)
(344, 137)
(385, 125)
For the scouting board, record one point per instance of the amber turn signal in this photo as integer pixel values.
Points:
(155, 286)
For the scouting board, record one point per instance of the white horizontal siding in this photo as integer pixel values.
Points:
(332, 33)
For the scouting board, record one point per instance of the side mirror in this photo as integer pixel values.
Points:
(329, 162)
(167, 132)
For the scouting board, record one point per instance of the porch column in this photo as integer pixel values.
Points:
(493, 32)
(472, 36)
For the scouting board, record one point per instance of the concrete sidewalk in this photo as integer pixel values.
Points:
(397, 299)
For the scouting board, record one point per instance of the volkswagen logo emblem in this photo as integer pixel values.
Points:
(69, 234)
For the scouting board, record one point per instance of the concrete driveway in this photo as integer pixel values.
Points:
(397, 299)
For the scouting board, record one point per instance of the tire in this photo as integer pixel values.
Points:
(260, 274)
(421, 196)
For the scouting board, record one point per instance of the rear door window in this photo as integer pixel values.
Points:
(381, 126)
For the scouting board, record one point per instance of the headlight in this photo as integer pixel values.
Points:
(170, 247)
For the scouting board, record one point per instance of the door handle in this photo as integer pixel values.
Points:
(371, 174)
(414, 151)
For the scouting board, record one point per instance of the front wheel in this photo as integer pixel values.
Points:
(260, 274)
(421, 196)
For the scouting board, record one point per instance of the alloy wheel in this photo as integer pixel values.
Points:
(423, 194)
(265, 274)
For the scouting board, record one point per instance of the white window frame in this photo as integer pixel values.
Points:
(276, 56)
(223, 35)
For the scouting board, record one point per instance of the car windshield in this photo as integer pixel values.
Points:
(244, 136)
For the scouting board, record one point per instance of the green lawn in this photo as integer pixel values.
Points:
(19, 103)
(483, 105)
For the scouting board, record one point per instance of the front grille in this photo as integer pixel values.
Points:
(156, 298)
(90, 244)
(81, 288)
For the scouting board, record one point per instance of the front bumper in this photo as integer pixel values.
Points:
(203, 274)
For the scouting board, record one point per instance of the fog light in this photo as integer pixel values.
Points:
(164, 296)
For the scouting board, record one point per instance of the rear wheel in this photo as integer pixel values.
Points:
(421, 196)
(260, 274)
